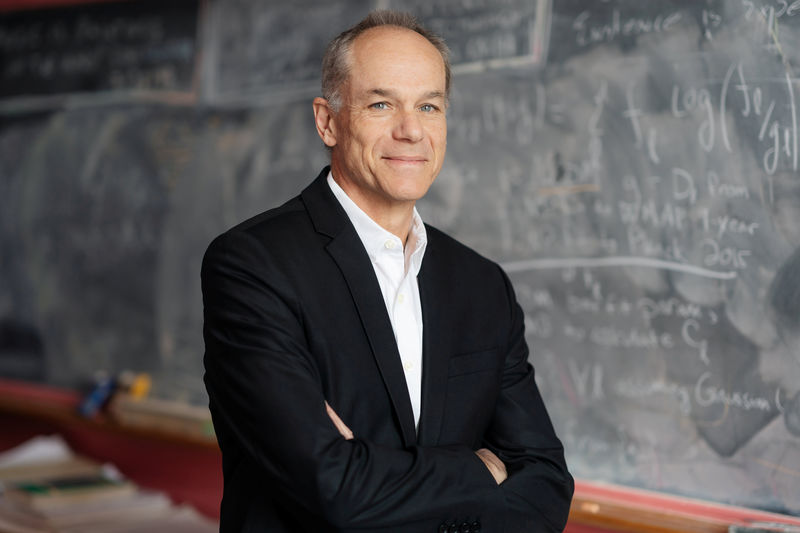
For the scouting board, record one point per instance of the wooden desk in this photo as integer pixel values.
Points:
(603, 508)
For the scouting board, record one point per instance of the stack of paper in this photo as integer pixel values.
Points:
(47, 488)
(168, 416)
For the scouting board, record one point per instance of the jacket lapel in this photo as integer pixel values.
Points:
(435, 357)
(349, 254)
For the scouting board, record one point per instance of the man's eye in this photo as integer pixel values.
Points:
(378, 105)
(427, 108)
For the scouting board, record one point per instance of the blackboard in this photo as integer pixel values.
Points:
(125, 46)
(632, 164)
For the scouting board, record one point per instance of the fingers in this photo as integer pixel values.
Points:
(341, 426)
(494, 464)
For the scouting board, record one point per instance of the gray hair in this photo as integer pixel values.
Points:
(336, 64)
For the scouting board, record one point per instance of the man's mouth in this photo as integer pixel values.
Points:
(406, 158)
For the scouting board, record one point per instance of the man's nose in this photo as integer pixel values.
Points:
(408, 127)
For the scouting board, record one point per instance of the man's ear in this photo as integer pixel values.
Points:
(324, 119)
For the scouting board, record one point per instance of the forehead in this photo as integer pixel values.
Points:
(397, 57)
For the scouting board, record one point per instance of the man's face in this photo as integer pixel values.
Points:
(389, 137)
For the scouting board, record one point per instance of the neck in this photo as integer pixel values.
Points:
(398, 224)
(393, 216)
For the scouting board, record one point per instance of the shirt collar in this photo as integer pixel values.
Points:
(376, 239)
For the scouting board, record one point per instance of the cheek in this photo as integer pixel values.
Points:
(441, 141)
(438, 136)
(366, 143)
(439, 148)
(358, 153)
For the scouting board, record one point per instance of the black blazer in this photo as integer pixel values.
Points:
(294, 316)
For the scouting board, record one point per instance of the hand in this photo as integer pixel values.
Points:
(342, 427)
(494, 464)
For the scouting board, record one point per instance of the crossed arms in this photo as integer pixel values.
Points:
(495, 465)
(268, 405)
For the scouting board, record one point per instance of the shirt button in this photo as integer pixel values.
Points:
(401, 297)
(408, 366)
(389, 245)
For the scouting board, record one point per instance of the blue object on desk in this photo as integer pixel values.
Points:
(97, 397)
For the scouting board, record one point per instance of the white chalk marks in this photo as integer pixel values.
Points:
(618, 261)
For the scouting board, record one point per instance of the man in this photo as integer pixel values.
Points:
(367, 372)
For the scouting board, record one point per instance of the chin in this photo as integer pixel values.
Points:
(412, 193)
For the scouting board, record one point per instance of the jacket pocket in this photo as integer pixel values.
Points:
(472, 362)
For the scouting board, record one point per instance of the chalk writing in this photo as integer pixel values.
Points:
(612, 337)
(567, 264)
(726, 223)
(702, 394)
(533, 298)
(539, 325)
(574, 333)
(633, 389)
(587, 31)
(711, 20)
(726, 190)
(696, 100)
(479, 30)
(123, 47)
(688, 333)
(652, 308)
(723, 256)
(706, 395)
(640, 243)
(583, 375)
(780, 140)
(771, 10)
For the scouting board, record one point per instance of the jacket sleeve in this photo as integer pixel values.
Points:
(539, 488)
(267, 400)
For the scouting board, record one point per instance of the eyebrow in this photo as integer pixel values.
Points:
(389, 93)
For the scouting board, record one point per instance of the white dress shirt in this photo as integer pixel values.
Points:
(396, 268)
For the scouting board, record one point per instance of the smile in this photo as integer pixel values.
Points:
(405, 159)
